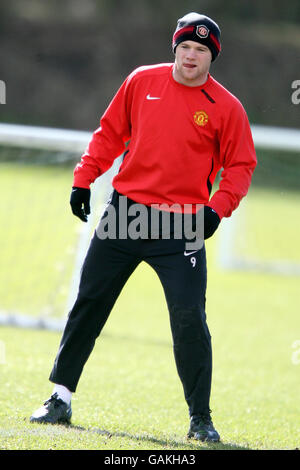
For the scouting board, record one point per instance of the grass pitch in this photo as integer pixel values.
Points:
(129, 396)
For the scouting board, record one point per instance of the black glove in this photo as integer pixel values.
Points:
(211, 222)
(80, 197)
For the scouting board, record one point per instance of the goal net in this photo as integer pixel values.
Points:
(262, 234)
(43, 245)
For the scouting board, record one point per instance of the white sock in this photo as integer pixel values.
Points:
(63, 393)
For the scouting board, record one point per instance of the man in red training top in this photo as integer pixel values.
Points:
(179, 127)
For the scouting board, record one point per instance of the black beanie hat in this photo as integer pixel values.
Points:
(199, 28)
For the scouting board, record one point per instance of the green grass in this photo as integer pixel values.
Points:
(129, 396)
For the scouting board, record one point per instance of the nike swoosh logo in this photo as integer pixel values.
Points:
(189, 253)
(149, 97)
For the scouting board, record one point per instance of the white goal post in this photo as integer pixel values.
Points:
(64, 140)
(265, 137)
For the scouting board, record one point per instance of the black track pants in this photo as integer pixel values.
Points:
(107, 267)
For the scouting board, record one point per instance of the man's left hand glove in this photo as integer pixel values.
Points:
(211, 222)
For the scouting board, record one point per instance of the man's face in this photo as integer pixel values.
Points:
(192, 63)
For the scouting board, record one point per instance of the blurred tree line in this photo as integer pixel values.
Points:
(62, 61)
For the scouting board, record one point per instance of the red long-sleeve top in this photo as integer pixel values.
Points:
(176, 138)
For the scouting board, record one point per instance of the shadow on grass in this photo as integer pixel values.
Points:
(188, 444)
